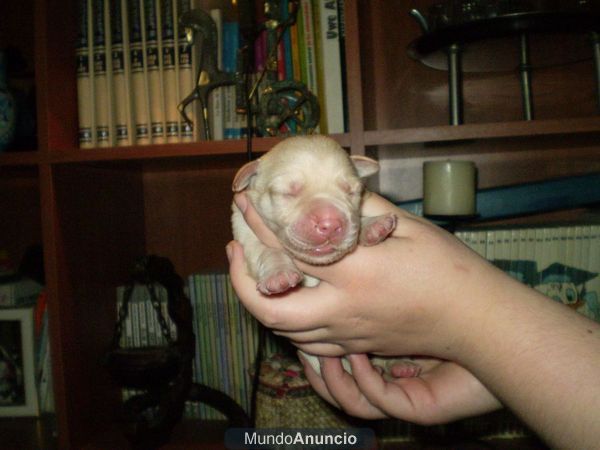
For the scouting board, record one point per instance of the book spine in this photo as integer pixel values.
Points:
(225, 338)
(85, 94)
(217, 96)
(342, 34)
(229, 65)
(157, 127)
(134, 315)
(144, 311)
(320, 71)
(204, 321)
(169, 77)
(295, 51)
(287, 42)
(195, 409)
(109, 73)
(186, 75)
(329, 42)
(308, 35)
(101, 87)
(138, 84)
(120, 83)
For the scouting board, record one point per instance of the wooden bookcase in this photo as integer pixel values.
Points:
(97, 210)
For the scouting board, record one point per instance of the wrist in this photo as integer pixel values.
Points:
(475, 315)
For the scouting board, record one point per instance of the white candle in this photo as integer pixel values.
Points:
(449, 188)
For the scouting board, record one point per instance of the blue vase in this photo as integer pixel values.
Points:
(7, 107)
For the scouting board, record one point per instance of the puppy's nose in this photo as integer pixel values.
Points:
(330, 227)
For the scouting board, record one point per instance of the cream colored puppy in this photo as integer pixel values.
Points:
(308, 191)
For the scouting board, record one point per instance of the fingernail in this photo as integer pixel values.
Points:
(229, 252)
(241, 202)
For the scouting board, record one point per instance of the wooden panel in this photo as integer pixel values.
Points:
(15, 17)
(20, 226)
(55, 31)
(97, 232)
(400, 92)
(354, 96)
(188, 216)
(446, 134)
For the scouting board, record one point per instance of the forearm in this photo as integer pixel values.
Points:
(540, 359)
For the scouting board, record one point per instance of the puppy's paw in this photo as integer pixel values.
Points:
(392, 368)
(405, 369)
(376, 229)
(279, 282)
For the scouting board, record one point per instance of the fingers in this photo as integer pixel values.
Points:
(255, 222)
(448, 392)
(391, 398)
(317, 382)
(344, 390)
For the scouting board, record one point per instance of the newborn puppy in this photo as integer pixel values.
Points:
(308, 191)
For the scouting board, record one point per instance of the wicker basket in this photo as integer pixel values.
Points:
(285, 398)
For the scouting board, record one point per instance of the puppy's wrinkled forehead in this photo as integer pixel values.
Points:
(313, 161)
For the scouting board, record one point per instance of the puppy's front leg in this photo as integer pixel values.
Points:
(273, 269)
(374, 230)
(276, 272)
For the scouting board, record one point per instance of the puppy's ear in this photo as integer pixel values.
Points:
(365, 166)
(243, 176)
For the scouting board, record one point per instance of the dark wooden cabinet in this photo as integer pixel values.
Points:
(96, 210)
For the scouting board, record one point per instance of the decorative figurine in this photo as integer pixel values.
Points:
(281, 107)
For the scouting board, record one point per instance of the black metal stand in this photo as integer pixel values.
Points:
(457, 32)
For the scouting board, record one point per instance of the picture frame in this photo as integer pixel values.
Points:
(18, 392)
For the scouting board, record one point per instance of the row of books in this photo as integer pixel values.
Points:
(227, 337)
(313, 52)
(562, 262)
(134, 66)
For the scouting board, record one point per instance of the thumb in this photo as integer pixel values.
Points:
(240, 279)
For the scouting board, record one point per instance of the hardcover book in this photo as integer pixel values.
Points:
(169, 75)
(85, 82)
(120, 79)
(101, 80)
(153, 70)
(562, 262)
(138, 64)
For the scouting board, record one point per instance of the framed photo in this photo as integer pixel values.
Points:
(18, 393)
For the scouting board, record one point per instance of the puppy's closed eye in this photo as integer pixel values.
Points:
(351, 189)
(289, 191)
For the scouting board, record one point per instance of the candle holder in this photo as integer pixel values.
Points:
(449, 192)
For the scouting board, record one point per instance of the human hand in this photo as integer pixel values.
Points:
(442, 393)
(421, 291)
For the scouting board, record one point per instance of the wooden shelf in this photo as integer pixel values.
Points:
(19, 158)
(449, 133)
(442, 133)
(96, 210)
(148, 152)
